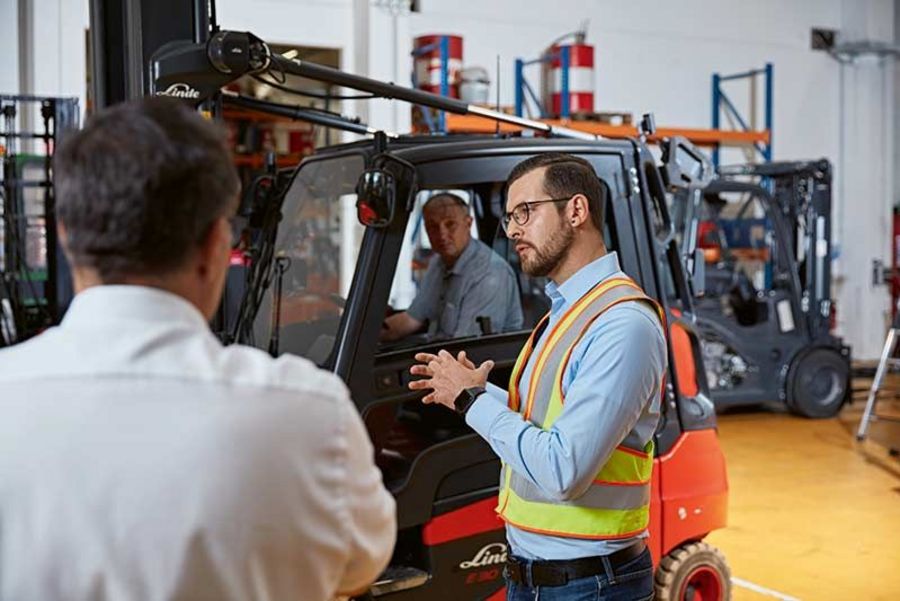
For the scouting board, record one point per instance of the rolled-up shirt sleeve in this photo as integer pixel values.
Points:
(618, 369)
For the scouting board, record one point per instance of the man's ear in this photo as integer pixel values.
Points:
(579, 211)
(63, 237)
(216, 241)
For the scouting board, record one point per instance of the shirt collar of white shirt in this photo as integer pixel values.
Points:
(125, 302)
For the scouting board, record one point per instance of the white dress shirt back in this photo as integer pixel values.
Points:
(142, 460)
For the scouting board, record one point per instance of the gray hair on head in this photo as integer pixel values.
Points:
(442, 197)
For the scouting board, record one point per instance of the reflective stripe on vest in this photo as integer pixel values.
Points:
(617, 503)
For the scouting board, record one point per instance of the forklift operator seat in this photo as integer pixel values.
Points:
(748, 308)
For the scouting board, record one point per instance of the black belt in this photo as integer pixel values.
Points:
(558, 572)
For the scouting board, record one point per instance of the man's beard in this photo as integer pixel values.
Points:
(546, 259)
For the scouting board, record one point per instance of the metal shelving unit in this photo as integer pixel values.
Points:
(701, 137)
(723, 105)
(34, 281)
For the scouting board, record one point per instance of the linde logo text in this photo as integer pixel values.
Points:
(492, 554)
(180, 90)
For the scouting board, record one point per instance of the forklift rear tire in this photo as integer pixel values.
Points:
(817, 383)
(693, 571)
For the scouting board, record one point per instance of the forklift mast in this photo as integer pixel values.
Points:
(802, 192)
(804, 196)
(126, 33)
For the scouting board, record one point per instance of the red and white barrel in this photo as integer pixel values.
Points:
(428, 64)
(581, 79)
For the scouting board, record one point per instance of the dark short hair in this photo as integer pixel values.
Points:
(566, 175)
(139, 187)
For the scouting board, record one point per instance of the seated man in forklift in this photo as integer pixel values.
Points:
(467, 290)
(575, 430)
(140, 458)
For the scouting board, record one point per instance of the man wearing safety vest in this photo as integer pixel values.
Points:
(575, 429)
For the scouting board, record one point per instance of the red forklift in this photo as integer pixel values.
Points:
(331, 243)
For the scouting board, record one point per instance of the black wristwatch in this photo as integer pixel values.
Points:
(464, 399)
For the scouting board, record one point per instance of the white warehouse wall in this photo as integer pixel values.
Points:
(9, 47)
(652, 55)
(864, 187)
(57, 65)
(59, 55)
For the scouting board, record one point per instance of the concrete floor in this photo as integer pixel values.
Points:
(813, 515)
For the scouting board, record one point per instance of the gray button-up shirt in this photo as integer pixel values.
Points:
(480, 284)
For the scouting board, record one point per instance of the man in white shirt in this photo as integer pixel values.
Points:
(139, 458)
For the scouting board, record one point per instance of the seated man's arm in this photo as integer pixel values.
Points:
(424, 307)
(399, 325)
(370, 514)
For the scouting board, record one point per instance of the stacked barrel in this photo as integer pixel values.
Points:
(427, 63)
(579, 58)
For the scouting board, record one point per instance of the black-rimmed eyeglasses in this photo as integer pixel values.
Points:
(522, 212)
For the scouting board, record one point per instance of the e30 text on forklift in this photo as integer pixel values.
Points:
(444, 477)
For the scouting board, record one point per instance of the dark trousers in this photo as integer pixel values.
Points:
(632, 581)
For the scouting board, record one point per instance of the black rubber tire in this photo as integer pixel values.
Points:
(677, 568)
(817, 383)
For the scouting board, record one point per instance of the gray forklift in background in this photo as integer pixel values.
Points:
(766, 316)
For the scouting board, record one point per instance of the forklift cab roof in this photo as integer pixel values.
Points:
(422, 149)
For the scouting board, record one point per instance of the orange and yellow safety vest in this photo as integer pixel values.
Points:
(617, 504)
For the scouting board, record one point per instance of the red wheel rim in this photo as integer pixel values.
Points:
(703, 584)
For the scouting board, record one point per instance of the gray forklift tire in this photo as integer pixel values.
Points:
(694, 570)
(817, 383)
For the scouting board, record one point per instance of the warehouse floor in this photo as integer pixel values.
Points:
(812, 515)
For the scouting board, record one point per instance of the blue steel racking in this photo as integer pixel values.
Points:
(523, 86)
(443, 47)
(720, 98)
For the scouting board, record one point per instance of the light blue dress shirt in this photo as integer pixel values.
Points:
(611, 386)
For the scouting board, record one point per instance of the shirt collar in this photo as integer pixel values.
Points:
(103, 304)
(581, 282)
(465, 257)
